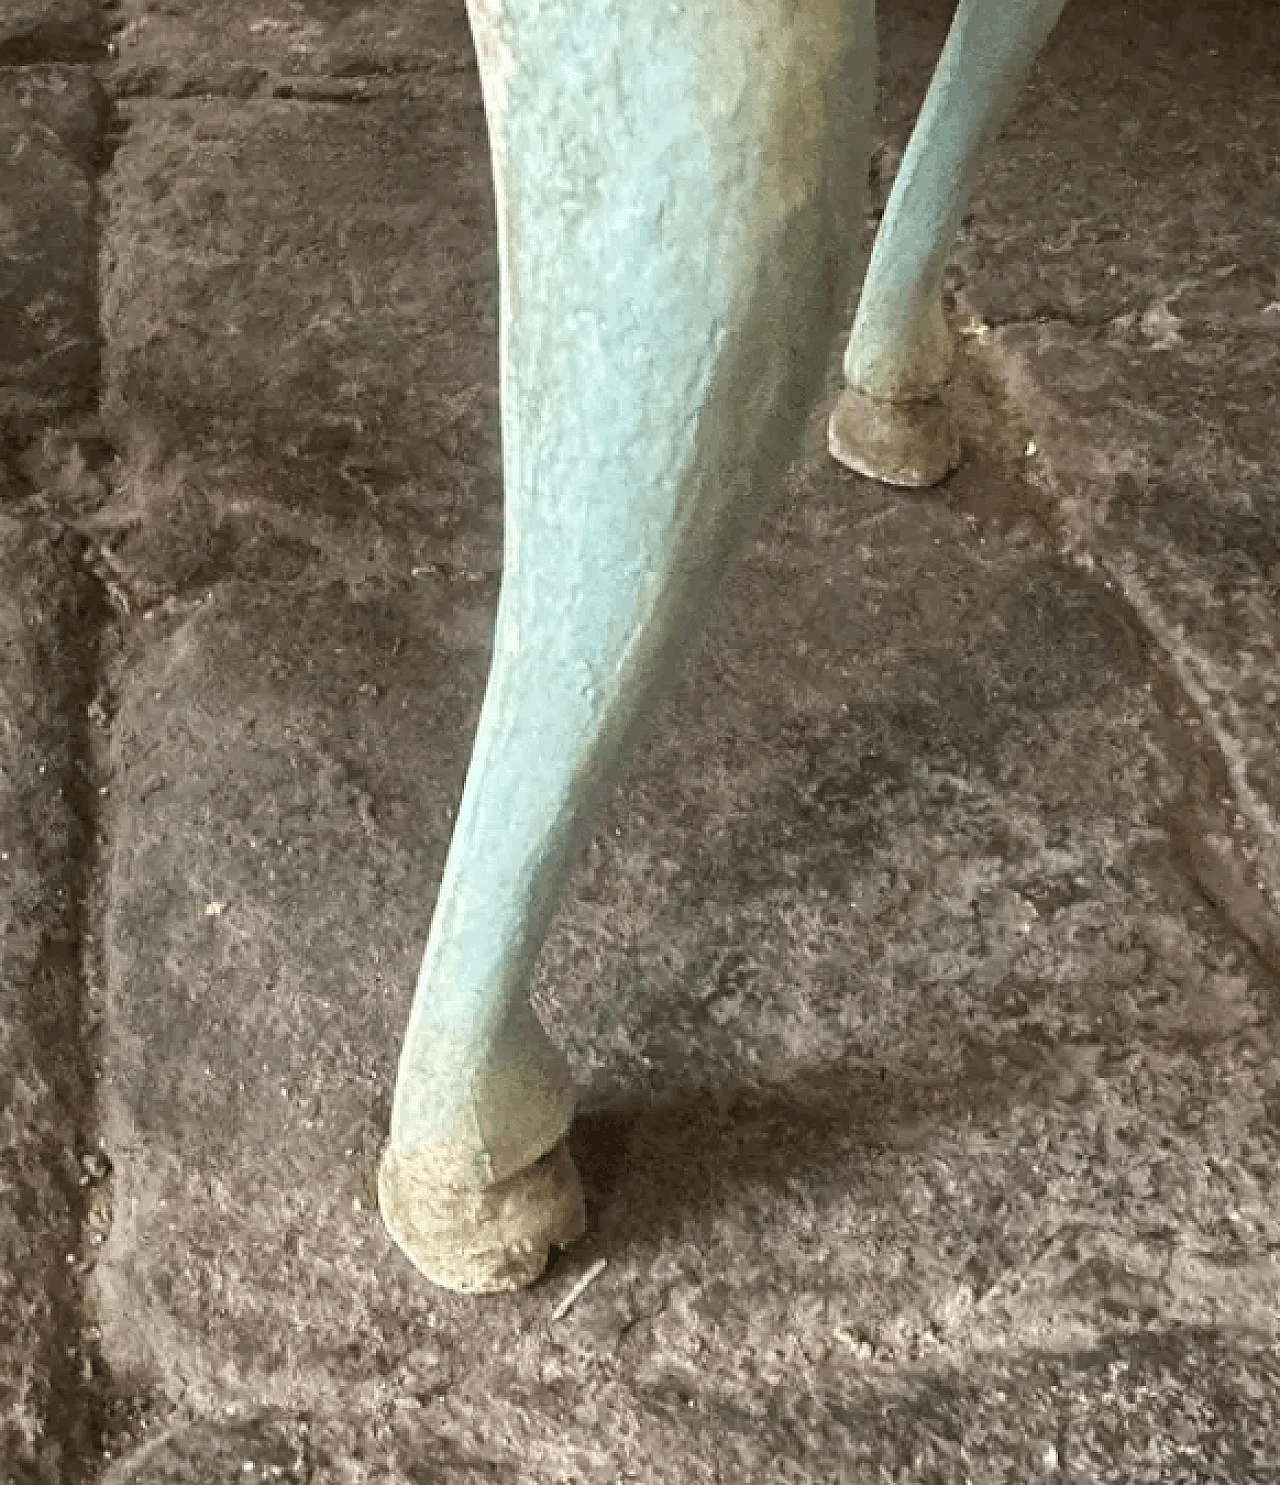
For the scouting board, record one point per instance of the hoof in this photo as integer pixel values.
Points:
(899, 443)
(486, 1241)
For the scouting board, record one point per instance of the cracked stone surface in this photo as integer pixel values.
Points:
(1139, 339)
(922, 980)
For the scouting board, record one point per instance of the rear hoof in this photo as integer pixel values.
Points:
(488, 1241)
(915, 444)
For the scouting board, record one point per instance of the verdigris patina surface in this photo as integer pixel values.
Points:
(891, 422)
(679, 194)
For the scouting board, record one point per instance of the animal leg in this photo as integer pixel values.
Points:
(678, 190)
(891, 422)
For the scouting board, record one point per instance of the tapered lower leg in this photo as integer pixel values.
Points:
(892, 422)
(678, 190)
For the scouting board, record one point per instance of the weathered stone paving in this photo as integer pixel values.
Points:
(52, 1172)
(50, 126)
(1139, 333)
(50, 1166)
(292, 51)
(300, 361)
(922, 980)
(44, 31)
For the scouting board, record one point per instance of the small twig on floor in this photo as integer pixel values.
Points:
(570, 1299)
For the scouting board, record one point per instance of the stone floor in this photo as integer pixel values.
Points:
(922, 980)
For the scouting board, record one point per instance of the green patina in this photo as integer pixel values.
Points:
(672, 232)
(678, 192)
(900, 349)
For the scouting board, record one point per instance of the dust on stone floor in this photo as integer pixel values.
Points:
(990, 1189)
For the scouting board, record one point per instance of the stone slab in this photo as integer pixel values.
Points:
(50, 127)
(288, 48)
(904, 1042)
(33, 31)
(299, 310)
(1136, 330)
(47, 1168)
(931, 1113)
(285, 767)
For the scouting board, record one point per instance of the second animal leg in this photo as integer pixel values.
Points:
(891, 421)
